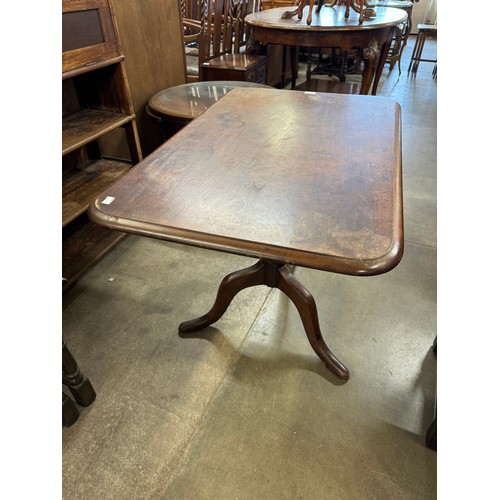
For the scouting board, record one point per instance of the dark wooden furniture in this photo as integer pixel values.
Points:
(401, 33)
(221, 53)
(96, 112)
(324, 192)
(424, 31)
(330, 28)
(431, 434)
(173, 108)
(277, 55)
(192, 37)
(280, 64)
(79, 385)
(151, 41)
(241, 67)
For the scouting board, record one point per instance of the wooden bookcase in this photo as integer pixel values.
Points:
(100, 141)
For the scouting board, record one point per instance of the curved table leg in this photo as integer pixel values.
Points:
(370, 55)
(229, 287)
(274, 275)
(306, 306)
(384, 52)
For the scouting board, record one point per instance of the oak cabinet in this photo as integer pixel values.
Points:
(97, 119)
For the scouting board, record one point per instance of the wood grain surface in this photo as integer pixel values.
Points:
(310, 179)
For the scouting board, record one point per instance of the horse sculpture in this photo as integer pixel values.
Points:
(362, 7)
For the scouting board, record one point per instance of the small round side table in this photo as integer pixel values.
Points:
(175, 107)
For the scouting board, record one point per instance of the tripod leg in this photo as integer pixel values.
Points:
(229, 287)
(306, 306)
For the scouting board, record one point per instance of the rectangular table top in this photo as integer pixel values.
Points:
(310, 179)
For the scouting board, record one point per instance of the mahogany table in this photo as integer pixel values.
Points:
(174, 107)
(330, 28)
(287, 177)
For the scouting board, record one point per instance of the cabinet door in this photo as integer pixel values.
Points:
(88, 36)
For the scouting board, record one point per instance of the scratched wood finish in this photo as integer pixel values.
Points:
(306, 179)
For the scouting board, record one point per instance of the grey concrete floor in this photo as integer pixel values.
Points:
(245, 409)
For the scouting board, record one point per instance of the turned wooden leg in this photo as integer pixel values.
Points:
(306, 306)
(70, 412)
(274, 275)
(75, 380)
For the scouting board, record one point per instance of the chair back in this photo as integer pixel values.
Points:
(219, 29)
(224, 25)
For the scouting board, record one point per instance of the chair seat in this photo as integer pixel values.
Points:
(192, 68)
(235, 61)
(244, 67)
(225, 61)
(192, 51)
(428, 27)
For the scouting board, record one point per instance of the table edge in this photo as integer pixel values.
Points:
(250, 19)
(246, 248)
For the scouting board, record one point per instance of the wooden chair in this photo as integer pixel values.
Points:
(424, 31)
(401, 33)
(221, 43)
(192, 40)
(192, 36)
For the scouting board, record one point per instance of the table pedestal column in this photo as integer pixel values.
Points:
(274, 275)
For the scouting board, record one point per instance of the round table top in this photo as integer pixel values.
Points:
(328, 19)
(188, 101)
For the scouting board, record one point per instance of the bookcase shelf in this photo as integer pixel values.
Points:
(96, 104)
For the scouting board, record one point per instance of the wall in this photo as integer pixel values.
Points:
(150, 34)
(418, 13)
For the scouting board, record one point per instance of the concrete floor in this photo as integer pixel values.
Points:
(245, 409)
